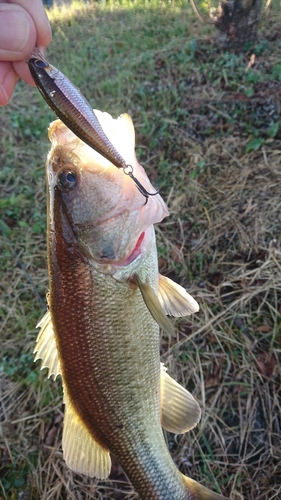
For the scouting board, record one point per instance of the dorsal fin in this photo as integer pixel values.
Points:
(46, 348)
(180, 412)
(81, 452)
(153, 304)
(174, 298)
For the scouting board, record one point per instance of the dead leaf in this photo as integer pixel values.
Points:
(263, 329)
(162, 263)
(266, 363)
(214, 379)
(52, 430)
(241, 324)
(214, 278)
(211, 338)
(274, 36)
(185, 330)
(176, 254)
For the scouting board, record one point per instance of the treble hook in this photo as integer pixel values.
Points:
(128, 170)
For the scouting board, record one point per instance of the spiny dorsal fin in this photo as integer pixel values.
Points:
(174, 298)
(155, 308)
(46, 348)
(179, 410)
(81, 452)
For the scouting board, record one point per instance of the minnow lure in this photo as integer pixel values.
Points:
(69, 104)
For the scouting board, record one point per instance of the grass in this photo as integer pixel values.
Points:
(208, 131)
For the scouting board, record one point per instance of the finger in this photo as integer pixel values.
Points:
(36, 10)
(8, 80)
(21, 68)
(17, 34)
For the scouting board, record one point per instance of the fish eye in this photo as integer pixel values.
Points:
(67, 180)
(40, 64)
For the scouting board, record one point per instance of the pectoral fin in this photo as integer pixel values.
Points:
(81, 452)
(179, 410)
(174, 298)
(46, 348)
(154, 306)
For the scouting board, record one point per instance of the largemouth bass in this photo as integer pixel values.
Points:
(106, 301)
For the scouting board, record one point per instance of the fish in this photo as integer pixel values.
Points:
(106, 304)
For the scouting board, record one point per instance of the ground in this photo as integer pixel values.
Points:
(208, 133)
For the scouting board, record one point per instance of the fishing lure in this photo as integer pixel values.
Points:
(69, 104)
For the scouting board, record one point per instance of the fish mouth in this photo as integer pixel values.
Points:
(137, 250)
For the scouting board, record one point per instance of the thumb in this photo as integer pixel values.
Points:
(17, 33)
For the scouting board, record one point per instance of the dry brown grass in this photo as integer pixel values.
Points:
(222, 241)
(230, 351)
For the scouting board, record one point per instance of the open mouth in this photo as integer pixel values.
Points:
(136, 250)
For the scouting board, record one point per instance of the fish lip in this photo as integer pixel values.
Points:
(137, 250)
(143, 243)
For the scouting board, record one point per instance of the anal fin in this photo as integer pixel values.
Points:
(81, 452)
(180, 412)
(199, 492)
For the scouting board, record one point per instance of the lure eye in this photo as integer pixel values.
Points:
(40, 64)
(67, 180)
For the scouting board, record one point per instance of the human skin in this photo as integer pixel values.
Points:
(23, 24)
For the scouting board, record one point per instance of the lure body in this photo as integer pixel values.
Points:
(66, 100)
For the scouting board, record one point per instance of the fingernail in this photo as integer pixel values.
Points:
(7, 85)
(42, 49)
(14, 31)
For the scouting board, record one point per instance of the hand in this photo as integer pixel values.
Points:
(23, 24)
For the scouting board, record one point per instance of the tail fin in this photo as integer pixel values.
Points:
(199, 492)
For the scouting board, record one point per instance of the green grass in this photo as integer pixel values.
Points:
(207, 130)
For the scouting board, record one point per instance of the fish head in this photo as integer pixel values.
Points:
(103, 214)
